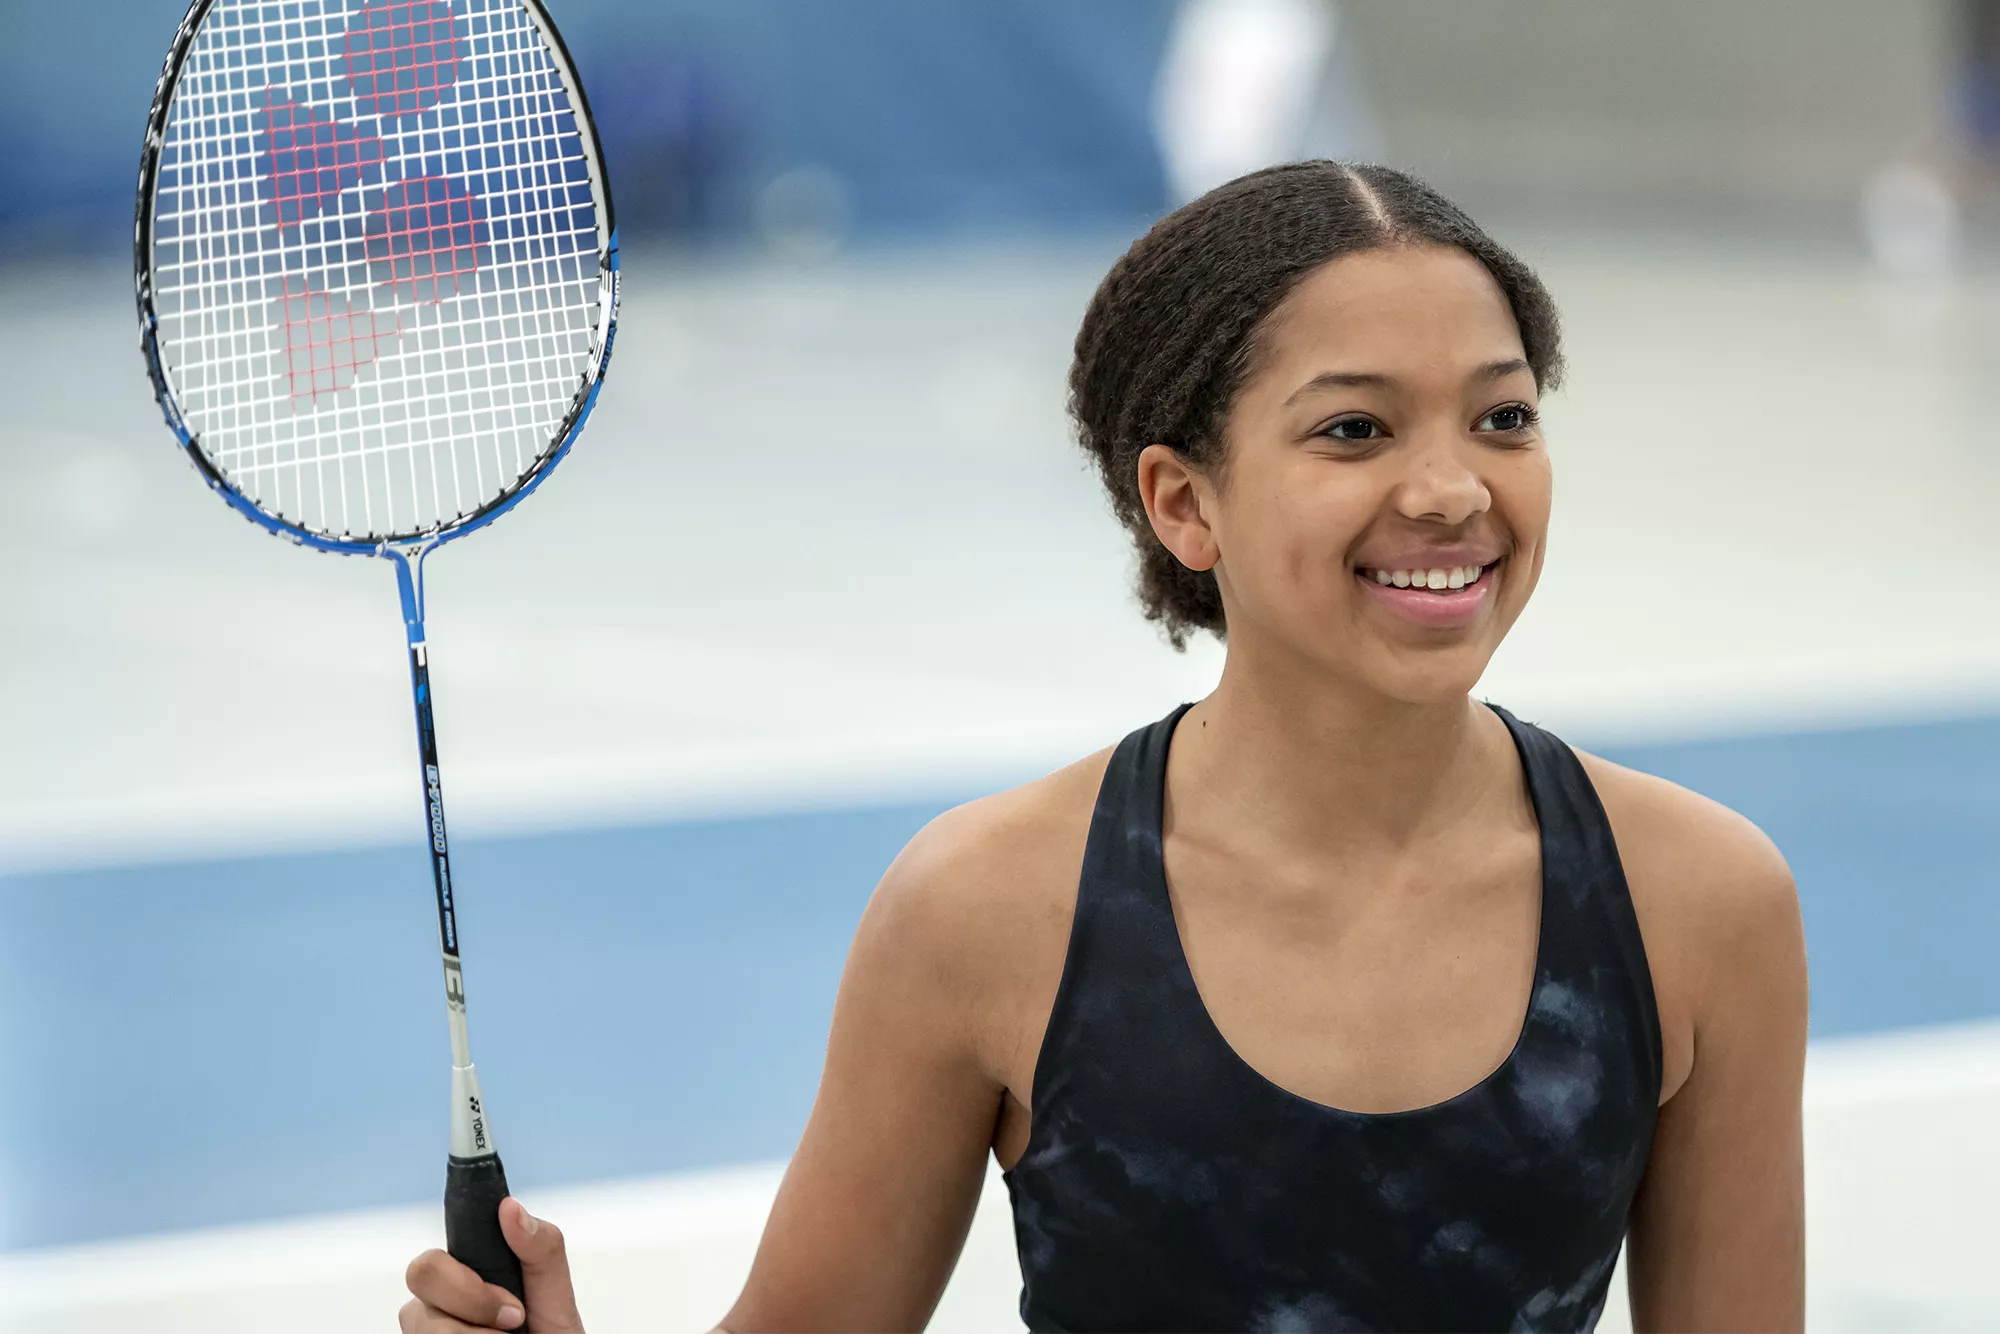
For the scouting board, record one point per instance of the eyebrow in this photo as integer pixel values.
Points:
(1492, 370)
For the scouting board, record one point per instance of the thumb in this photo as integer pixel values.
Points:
(544, 1270)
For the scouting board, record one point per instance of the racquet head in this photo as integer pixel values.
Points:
(376, 263)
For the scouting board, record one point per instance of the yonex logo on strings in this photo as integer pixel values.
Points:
(423, 240)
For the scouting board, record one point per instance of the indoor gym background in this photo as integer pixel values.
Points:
(826, 562)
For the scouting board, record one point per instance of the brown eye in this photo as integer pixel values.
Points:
(1356, 429)
(1510, 419)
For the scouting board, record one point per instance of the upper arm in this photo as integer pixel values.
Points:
(877, 1200)
(1718, 1229)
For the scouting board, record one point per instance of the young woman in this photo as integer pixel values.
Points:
(1337, 1000)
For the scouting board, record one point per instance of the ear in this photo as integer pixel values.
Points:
(1174, 495)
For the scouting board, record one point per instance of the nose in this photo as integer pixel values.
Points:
(1441, 485)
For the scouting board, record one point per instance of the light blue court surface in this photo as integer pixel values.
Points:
(221, 1041)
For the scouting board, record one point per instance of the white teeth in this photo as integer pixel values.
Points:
(1439, 580)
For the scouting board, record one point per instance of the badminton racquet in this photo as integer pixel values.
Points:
(377, 281)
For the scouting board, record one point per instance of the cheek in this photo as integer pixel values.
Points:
(1528, 498)
(1294, 524)
(1523, 497)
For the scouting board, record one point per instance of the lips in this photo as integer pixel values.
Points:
(1433, 603)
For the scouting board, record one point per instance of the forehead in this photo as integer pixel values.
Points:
(1398, 309)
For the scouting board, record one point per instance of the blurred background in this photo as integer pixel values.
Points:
(828, 561)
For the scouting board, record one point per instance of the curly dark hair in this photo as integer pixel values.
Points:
(1172, 332)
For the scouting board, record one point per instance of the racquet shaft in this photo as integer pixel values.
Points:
(475, 1183)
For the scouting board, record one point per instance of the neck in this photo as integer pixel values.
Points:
(1275, 752)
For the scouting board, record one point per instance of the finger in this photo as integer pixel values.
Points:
(454, 1290)
(544, 1269)
(417, 1318)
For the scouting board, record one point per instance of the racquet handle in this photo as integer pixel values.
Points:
(473, 1189)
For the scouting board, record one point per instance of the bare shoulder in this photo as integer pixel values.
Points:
(979, 903)
(1711, 865)
(1716, 902)
(978, 866)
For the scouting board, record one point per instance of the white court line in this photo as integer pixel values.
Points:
(663, 1211)
(1914, 1066)
(752, 776)
(939, 748)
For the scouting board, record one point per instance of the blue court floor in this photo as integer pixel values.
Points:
(220, 1041)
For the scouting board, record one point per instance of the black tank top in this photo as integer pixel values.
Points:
(1167, 1185)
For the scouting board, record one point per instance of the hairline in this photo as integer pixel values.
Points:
(1248, 361)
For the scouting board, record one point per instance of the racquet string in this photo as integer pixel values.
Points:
(375, 257)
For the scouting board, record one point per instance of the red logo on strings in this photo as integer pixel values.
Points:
(401, 57)
(423, 240)
(426, 237)
(310, 158)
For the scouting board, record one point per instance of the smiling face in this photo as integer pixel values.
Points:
(1385, 491)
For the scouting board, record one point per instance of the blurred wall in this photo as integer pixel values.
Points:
(1686, 105)
(721, 119)
(830, 120)
(875, 117)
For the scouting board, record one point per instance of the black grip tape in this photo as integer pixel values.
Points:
(473, 1189)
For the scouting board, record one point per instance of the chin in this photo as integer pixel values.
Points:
(1427, 678)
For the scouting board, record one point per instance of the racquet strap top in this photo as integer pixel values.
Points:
(1167, 1185)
